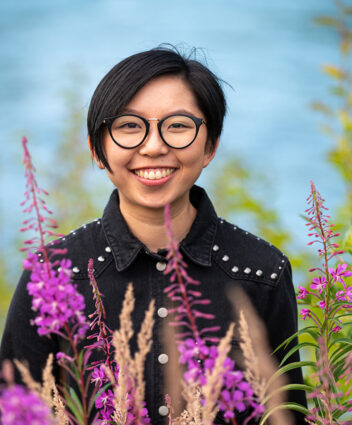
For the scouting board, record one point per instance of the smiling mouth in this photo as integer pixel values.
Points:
(155, 173)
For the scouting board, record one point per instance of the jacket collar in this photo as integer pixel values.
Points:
(197, 245)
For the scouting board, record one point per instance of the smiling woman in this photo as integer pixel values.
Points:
(154, 123)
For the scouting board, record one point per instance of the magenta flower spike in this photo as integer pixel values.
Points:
(196, 347)
(58, 305)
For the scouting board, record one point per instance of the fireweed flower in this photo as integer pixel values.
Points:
(20, 406)
(339, 273)
(56, 301)
(302, 293)
(331, 400)
(319, 283)
(196, 347)
(305, 312)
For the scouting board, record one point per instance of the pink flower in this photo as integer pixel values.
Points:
(340, 272)
(319, 283)
(305, 312)
(302, 293)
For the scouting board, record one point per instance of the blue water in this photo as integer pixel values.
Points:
(269, 52)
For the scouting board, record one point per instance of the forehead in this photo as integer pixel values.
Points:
(164, 95)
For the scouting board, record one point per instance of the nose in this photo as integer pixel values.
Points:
(153, 145)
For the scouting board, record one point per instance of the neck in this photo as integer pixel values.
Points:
(148, 224)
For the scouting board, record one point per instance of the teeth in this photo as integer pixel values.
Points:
(154, 174)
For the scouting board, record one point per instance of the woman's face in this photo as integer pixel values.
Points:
(174, 171)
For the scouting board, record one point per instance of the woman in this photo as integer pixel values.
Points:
(154, 123)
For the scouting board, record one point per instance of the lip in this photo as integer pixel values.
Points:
(154, 182)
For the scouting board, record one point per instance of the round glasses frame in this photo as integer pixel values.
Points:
(198, 122)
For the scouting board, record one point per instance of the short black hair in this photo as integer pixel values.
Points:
(124, 80)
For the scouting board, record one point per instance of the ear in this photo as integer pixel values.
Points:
(210, 152)
(93, 154)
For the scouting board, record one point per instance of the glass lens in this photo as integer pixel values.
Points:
(128, 130)
(178, 131)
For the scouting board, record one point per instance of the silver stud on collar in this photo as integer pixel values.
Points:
(75, 269)
(234, 228)
(247, 270)
(101, 258)
(273, 276)
(225, 258)
(259, 273)
(98, 222)
(107, 249)
(216, 248)
(235, 269)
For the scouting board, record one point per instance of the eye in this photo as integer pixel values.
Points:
(127, 124)
(177, 125)
(131, 125)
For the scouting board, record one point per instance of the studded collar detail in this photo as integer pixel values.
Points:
(197, 245)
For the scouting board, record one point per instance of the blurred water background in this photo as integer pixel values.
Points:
(269, 52)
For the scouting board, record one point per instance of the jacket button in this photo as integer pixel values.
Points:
(225, 258)
(108, 249)
(163, 411)
(160, 266)
(216, 248)
(162, 312)
(163, 358)
(75, 269)
(101, 258)
(273, 276)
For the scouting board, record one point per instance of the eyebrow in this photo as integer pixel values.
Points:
(176, 111)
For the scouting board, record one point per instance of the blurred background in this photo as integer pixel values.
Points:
(286, 65)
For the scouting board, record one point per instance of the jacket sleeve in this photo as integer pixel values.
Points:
(20, 339)
(282, 323)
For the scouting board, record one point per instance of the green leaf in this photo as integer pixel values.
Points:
(288, 387)
(347, 341)
(289, 406)
(296, 348)
(290, 366)
(339, 353)
(74, 403)
(302, 331)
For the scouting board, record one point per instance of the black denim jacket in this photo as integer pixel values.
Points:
(218, 254)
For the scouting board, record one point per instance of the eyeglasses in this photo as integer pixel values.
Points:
(177, 131)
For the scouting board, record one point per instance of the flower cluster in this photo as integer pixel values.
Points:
(56, 301)
(21, 406)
